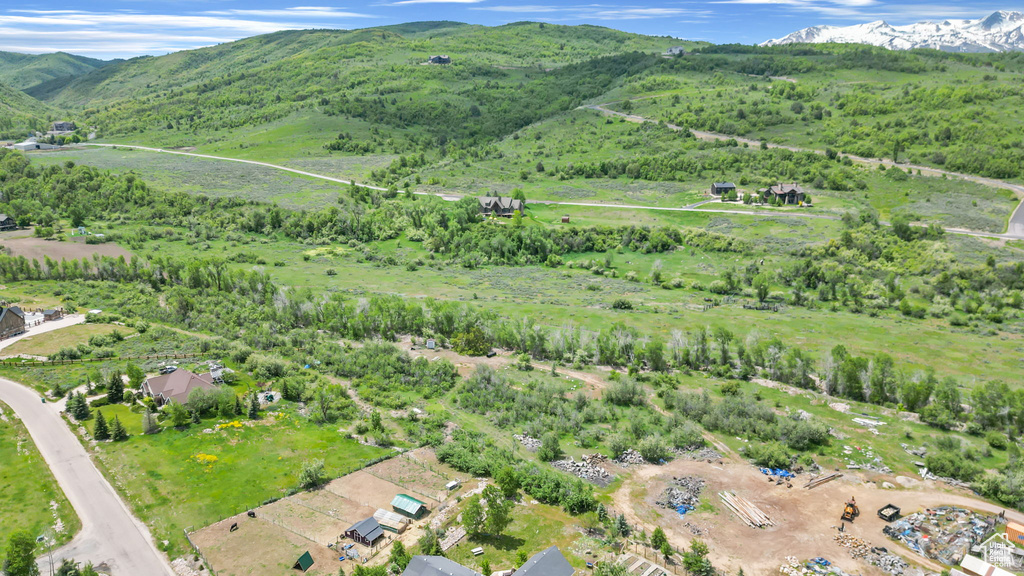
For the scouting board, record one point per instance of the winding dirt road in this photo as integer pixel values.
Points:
(110, 534)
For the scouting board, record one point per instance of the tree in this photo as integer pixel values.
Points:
(20, 558)
(499, 510)
(375, 421)
(78, 407)
(238, 406)
(115, 388)
(135, 375)
(179, 415)
(473, 516)
(117, 431)
(254, 406)
(621, 526)
(149, 425)
(762, 286)
(666, 550)
(695, 560)
(99, 429)
(68, 567)
(312, 474)
(508, 479)
(658, 538)
(485, 567)
(549, 448)
(602, 513)
(399, 556)
(429, 544)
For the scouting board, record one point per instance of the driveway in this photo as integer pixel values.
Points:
(45, 327)
(110, 534)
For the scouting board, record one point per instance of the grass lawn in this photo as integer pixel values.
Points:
(30, 498)
(190, 478)
(50, 342)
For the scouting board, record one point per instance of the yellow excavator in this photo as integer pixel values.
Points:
(851, 511)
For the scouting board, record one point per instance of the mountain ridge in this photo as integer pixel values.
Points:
(25, 71)
(1001, 31)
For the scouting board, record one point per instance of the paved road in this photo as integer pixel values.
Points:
(69, 320)
(1011, 234)
(110, 534)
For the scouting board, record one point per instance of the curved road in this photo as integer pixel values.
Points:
(110, 534)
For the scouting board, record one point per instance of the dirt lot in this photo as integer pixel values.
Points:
(269, 544)
(806, 520)
(72, 249)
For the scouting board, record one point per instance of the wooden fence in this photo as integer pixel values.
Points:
(21, 363)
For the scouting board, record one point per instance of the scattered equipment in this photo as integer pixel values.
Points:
(889, 512)
(750, 514)
(850, 511)
(818, 481)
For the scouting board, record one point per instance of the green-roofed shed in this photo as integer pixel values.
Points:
(304, 562)
(411, 507)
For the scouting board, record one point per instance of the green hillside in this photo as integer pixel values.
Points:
(20, 113)
(25, 71)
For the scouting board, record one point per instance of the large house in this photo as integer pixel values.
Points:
(176, 385)
(500, 206)
(785, 193)
(440, 59)
(7, 223)
(64, 127)
(12, 321)
(550, 562)
(720, 188)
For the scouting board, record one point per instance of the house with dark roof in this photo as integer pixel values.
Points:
(12, 321)
(176, 385)
(411, 507)
(784, 193)
(366, 532)
(500, 206)
(719, 188)
(7, 222)
(440, 59)
(52, 314)
(436, 566)
(64, 127)
(550, 562)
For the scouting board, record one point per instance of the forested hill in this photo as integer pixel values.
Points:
(25, 71)
(514, 45)
(20, 113)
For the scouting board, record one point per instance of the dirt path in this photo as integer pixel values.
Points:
(110, 533)
(1015, 229)
(806, 520)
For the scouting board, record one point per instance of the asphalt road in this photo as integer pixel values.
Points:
(110, 534)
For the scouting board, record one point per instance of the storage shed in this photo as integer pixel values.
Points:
(1015, 533)
(411, 507)
(391, 521)
(366, 532)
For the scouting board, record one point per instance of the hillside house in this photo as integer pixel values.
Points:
(366, 532)
(12, 321)
(7, 222)
(440, 59)
(64, 127)
(550, 562)
(500, 206)
(176, 385)
(675, 51)
(720, 188)
(785, 193)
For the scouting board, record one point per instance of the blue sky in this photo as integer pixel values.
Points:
(126, 28)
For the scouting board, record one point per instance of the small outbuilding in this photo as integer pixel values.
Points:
(7, 223)
(366, 532)
(304, 562)
(52, 314)
(391, 521)
(440, 59)
(411, 507)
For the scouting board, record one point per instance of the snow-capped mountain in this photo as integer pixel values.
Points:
(999, 32)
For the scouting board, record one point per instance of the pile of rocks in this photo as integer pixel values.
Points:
(584, 469)
(682, 491)
(529, 442)
(630, 458)
(880, 557)
(704, 454)
(695, 530)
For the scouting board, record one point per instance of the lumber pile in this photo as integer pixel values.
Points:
(818, 481)
(750, 514)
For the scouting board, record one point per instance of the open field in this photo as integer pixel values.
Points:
(72, 249)
(51, 342)
(30, 498)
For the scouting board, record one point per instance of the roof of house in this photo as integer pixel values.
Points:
(975, 565)
(785, 188)
(49, 312)
(13, 310)
(503, 202)
(550, 562)
(389, 518)
(369, 529)
(724, 185)
(5, 217)
(407, 503)
(178, 384)
(436, 566)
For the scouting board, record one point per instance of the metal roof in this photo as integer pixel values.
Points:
(388, 518)
(407, 503)
(436, 566)
(550, 562)
(368, 529)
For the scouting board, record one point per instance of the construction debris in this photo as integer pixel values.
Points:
(630, 458)
(750, 514)
(586, 468)
(529, 442)
(452, 537)
(919, 452)
(945, 533)
(927, 475)
(864, 458)
(819, 565)
(819, 480)
(876, 556)
(704, 454)
(682, 494)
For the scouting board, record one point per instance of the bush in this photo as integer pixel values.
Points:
(622, 303)
(101, 401)
(952, 465)
(312, 474)
(653, 449)
(997, 440)
(768, 454)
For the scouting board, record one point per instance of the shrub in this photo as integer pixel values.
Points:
(653, 449)
(622, 304)
(997, 440)
(312, 474)
(768, 454)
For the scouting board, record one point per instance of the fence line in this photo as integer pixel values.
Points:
(34, 363)
(198, 552)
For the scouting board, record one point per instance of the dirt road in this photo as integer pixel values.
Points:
(43, 328)
(110, 534)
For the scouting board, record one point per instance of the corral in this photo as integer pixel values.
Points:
(281, 531)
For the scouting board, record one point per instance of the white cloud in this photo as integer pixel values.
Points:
(524, 9)
(296, 12)
(405, 2)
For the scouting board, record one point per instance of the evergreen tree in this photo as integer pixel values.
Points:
(399, 556)
(78, 407)
(99, 429)
(658, 538)
(254, 406)
(115, 388)
(621, 526)
(602, 513)
(149, 425)
(196, 419)
(238, 406)
(117, 431)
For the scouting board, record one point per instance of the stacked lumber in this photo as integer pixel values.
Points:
(750, 514)
(818, 481)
